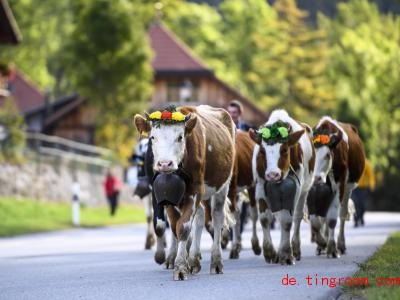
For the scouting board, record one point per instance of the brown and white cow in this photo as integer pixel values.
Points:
(242, 179)
(286, 156)
(340, 159)
(203, 147)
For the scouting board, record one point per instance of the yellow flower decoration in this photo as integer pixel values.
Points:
(155, 115)
(317, 139)
(178, 116)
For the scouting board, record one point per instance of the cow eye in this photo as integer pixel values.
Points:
(284, 150)
(180, 138)
(327, 156)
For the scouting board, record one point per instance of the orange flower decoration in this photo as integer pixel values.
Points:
(322, 139)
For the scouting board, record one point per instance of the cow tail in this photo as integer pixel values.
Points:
(229, 220)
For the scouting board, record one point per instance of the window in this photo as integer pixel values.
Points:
(182, 91)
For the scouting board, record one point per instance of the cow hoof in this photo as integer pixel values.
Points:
(217, 268)
(285, 259)
(224, 239)
(255, 245)
(194, 264)
(269, 253)
(341, 247)
(170, 263)
(296, 250)
(159, 257)
(331, 250)
(320, 250)
(150, 241)
(180, 273)
(234, 254)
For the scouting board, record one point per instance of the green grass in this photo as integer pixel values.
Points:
(19, 216)
(385, 263)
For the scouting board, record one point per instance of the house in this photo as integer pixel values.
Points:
(180, 78)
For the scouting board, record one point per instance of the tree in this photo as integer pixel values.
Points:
(44, 25)
(365, 70)
(107, 59)
(291, 62)
(11, 148)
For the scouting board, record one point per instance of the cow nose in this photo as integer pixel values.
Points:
(165, 165)
(273, 176)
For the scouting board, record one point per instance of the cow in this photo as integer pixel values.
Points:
(340, 160)
(284, 155)
(160, 219)
(142, 189)
(199, 143)
(242, 178)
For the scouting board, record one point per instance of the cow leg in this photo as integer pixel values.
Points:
(160, 224)
(316, 235)
(298, 216)
(331, 220)
(255, 244)
(173, 215)
(218, 215)
(173, 248)
(236, 237)
(207, 215)
(194, 252)
(285, 250)
(344, 215)
(149, 218)
(266, 220)
(183, 228)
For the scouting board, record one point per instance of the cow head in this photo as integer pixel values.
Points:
(276, 139)
(168, 131)
(325, 141)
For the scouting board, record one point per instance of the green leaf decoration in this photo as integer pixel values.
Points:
(275, 133)
(284, 132)
(265, 133)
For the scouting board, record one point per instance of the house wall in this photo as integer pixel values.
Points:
(210, 92)
(77, 125)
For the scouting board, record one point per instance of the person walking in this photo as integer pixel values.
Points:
(362, 193)
(112, 186)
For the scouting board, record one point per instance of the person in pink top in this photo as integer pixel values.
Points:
(112, 186)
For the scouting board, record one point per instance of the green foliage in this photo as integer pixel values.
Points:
(44, 25)
(383, 264)
(291, 61)
(242, 20)
(365, 69)
(199, 26)
(11, 148)
(19, 216)
(107, 59)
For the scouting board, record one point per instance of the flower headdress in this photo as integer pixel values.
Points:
(168, 116)
(275, 133)
(321, 138)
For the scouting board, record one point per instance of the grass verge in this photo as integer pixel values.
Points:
(19, 216)
(384, 264)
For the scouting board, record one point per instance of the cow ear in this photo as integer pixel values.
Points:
(254, 136)
(142, 125)
(334, 140)
(294, 137)
(190, 123)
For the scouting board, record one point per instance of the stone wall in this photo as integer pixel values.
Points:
(51, 179)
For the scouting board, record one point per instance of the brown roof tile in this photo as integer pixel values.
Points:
(26, 95)
(171, 54)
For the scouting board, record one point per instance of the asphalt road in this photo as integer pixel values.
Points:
(109, 263)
